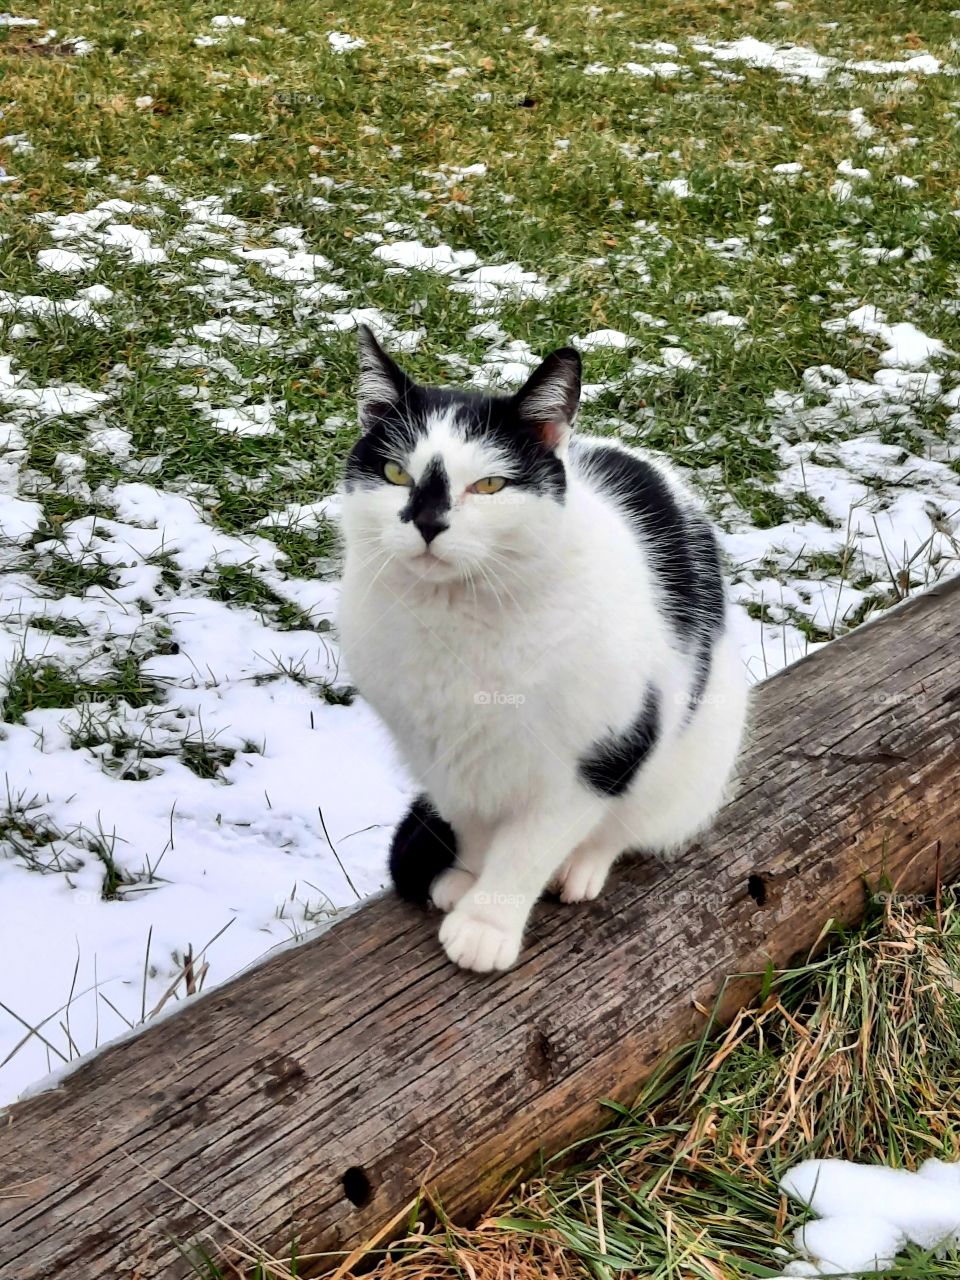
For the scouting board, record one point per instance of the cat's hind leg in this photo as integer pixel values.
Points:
(424, 846)
(583, 875)
(678, 793)
(472, 837)
(450, 886)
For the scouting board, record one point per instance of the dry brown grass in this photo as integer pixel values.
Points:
(856, 1055)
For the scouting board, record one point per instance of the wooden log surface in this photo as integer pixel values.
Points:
(350, 1067)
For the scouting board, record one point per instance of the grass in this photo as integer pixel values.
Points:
(853, 1055)
(236, 585)
(32, 687)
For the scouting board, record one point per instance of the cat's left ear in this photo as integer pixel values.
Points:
(548, 401)
(382, 383)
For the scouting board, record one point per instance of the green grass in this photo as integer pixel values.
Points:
(37, 686)
(351, 142)
(235, 585)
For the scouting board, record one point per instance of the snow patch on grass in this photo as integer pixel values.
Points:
(866, 1214)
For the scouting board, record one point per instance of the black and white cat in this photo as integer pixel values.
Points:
(541, 622)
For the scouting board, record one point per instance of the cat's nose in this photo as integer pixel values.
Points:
(429, 528)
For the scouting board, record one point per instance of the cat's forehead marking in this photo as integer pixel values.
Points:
(444, 437)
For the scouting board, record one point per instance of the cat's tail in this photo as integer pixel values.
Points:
(423, 845)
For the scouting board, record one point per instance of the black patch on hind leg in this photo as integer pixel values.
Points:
(423, 845)
(612, 763)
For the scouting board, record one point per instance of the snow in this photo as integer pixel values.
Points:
(723, 320)
(867, 1213)
(923, 64)
(906, 345)
(230, 330)
(795, 61)
(242, 420)
(678, 187)
(411, 255)
(133, 241)
(30, 304)
(301, 515)
(340, 42)
(859, 123)
(246, 848)
(80, 46)
(665, 70)
(18, 143)
(18, 518)
(601, 339)
(677, 358)
(60, 400)
(848, 170)
(800, 63)
(487, 285)
(65, 261)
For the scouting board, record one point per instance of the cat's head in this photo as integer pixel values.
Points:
(450, 485)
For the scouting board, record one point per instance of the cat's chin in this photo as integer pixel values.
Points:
(428, 567)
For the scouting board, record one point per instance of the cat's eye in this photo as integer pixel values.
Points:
(489, 484)
(396, 475)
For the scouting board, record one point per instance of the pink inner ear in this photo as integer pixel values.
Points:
(551, 434)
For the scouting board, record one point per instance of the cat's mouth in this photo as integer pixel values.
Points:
(426, 558)
(432, 567)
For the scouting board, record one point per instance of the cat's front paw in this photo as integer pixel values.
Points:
(450, 886)
(474, 942)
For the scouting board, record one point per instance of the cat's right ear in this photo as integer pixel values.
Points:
(382, 384)
(548, 401)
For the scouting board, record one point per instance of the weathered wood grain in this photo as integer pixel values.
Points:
(363, 1050)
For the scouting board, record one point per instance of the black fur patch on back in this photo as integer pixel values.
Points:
(612, 763)
(392, 432)
(680, 543)
(423, 845)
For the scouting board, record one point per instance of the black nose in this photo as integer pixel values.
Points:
(429, 528)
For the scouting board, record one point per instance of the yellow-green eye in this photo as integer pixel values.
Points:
(396, 475)
(489, 484)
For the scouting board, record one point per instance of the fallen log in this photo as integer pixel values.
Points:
(306, 1099)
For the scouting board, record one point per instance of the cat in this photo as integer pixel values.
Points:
(540, 620)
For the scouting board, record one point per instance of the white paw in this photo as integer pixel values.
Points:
(475, 943)
(450, 886)
(583, 877)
